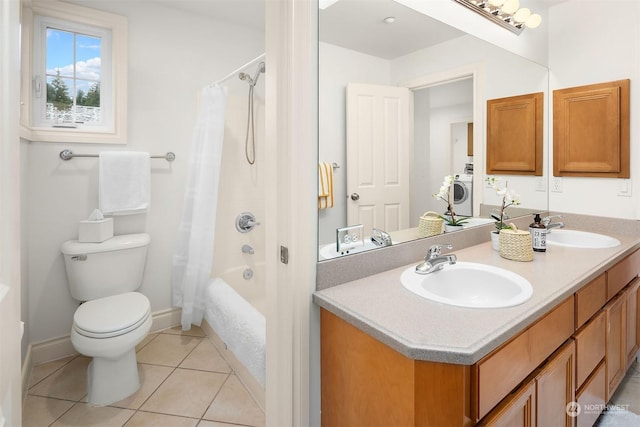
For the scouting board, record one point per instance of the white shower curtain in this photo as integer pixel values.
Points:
(193, 258)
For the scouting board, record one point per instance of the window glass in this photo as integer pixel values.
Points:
(73, 70)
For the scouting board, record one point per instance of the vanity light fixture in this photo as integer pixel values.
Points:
(506, 13)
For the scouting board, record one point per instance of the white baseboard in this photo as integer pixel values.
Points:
(254, 387)
(27, 368)
(166, 319)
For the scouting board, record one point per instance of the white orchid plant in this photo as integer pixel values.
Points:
(509, 198)
(445, 194)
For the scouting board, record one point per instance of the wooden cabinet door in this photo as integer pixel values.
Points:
(556, 387)
(591, 130)
(590, 347)
(633, 320)
(592, 395)
(515, 135)
(517, 410)
(616, 355)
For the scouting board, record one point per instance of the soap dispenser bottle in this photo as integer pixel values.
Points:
(538, 234)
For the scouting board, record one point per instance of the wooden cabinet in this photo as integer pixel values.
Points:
(502, 370)
(590, 299)
(633, 321)
(616, 355)
(591, 130)
(515, 135)
(621, 274)
(366, 383)
(622, 337)
(542, 400)
(556, 387)
(517, 410)
(590, 347)
(528, 381)
(470, 139)
(592, 395)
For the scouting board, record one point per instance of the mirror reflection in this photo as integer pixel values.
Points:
(402, 104)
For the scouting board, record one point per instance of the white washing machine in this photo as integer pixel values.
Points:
(463, 194)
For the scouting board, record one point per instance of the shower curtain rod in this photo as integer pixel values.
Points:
(233, 73)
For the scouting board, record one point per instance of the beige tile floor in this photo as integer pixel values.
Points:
(185, 382)
(624, 406)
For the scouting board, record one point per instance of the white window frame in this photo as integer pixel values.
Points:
(113, 88)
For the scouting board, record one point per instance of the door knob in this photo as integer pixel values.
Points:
(355, 196)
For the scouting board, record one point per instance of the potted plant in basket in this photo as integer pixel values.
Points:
(452, 222)
(509, 198)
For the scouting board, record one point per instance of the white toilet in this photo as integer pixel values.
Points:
(113, 318)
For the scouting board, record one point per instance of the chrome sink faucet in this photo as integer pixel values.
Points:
(549, 225)
(434, 261)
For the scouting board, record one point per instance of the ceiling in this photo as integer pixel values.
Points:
(352, 24)
(248, 13)
(359, 25)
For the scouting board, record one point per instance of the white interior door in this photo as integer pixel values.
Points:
(378, 149)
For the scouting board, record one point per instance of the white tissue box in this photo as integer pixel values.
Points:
(95, 231)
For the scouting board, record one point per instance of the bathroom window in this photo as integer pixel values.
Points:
(74, 86)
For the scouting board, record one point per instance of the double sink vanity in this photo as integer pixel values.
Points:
(486, 340)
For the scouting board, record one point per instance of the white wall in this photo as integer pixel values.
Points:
(337, 67)
(171, 55)
(433, 159)
(505, 74)
(606, 49)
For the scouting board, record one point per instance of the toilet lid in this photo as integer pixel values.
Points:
(111, 316)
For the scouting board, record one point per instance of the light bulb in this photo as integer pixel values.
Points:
(496, 3)
(522, 15)
(533, 21)
(510, 6)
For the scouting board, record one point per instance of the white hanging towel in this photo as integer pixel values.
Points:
(124, 182)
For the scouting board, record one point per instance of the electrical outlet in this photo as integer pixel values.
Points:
(540, 184)
(556, 184)
(624, 187)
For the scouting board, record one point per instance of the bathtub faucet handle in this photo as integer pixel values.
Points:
(246, 249)
(245, 222)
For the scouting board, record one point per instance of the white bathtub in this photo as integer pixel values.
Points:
(234, 319)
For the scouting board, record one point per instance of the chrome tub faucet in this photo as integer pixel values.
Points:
(434, 261)
(380, 238)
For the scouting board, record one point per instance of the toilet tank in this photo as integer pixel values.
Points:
(97, 270)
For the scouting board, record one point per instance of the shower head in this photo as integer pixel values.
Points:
(252, 81)
(245, 76)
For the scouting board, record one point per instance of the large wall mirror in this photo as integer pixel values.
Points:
(382, 50)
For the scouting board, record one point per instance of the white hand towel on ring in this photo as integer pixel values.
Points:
(124, 182)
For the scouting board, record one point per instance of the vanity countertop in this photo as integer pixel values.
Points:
(425, 330)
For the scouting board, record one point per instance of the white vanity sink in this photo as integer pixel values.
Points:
(580, 239)
(329, 251)
(475, 221)
(468, 284)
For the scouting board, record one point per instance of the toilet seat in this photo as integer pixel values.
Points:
(111, 316)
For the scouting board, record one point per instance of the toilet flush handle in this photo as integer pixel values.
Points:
(82, 257)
